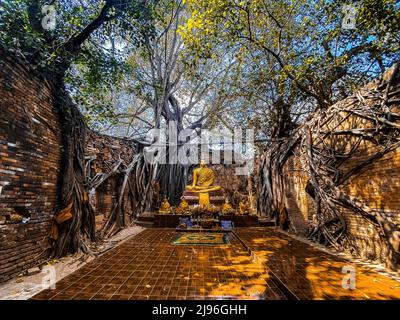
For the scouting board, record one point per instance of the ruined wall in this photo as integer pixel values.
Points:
(29, 166)
(103, 152)
(234, 186)
(30, 155)
(376, 185)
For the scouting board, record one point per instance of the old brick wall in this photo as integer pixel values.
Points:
(104, 152)
(377, 185)
(30, 155)
(29, 165)
(226, 177)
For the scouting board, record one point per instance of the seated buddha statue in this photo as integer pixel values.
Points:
(243, 207)
(165, 207)
(183, 207)
(227, 207)
(203, 180)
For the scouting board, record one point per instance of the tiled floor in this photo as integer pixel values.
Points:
(148, 266)
(313, 274)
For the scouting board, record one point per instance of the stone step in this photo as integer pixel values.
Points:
(144, 224)
(148, 218)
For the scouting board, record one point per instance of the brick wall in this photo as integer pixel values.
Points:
(226, 177)
(104, 152)
(29, 165)
(30, 155)
(377, 185)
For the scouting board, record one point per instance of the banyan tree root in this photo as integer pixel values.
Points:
(135, 186)
(74, 234)
(173, 179)
(323, 146)
(270, 185)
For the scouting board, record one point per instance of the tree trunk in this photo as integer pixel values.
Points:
(75, 232)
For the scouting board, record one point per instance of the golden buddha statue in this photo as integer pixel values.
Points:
(165, 207)
(253, 205)
(243, 207)
(183, 207)
(227, 207)
(203, 180)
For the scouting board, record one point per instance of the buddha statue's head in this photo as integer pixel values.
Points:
(202, 164)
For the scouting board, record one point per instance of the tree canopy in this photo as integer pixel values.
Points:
(298, 48)
(125, 67)
(204, 63)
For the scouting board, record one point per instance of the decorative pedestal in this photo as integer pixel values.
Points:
(241, 220)
(172, 220)
(167, 220)
(215, 197)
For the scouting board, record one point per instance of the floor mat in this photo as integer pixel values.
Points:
(201, 239)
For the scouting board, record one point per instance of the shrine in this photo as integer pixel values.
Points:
(198, 150)
(205, 206)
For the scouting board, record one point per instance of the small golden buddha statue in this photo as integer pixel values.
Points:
(243, 207)
(165, 207)
(253, 206)
(183, 207)
(203, 180)
(227, 207)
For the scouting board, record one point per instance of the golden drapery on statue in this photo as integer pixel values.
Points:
(203, 183)
(203, 180)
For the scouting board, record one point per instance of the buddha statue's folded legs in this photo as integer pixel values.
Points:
(202, 189)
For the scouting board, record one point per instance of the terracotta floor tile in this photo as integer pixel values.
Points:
(120, 297)
(83, 296)
(101, 296)
(149, 266)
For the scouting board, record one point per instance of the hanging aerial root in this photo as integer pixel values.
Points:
(324, 148)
